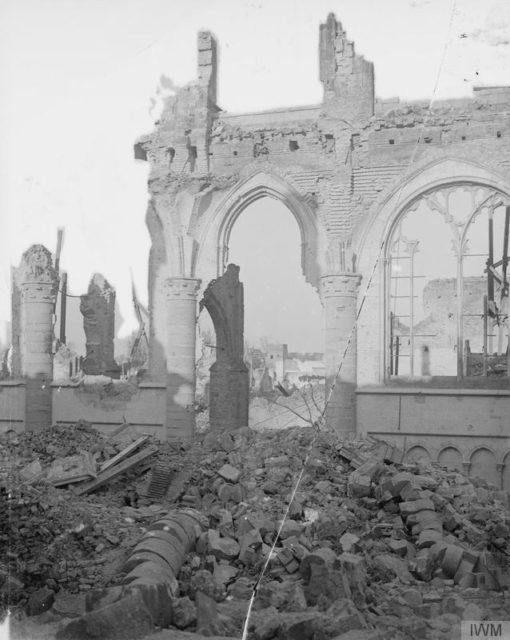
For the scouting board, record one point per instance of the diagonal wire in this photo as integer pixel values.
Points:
(348, 343)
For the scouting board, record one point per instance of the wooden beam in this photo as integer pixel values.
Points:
(490, 259)
(495, 275)
(105, 476)
(63, 307)
(504, 257)
(124, 453)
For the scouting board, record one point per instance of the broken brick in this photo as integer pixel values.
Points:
(226, 548)
(412, 507)
(229, 473)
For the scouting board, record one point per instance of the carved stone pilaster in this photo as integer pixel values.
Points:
(466, 468)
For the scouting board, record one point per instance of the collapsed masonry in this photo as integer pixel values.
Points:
(367, 546)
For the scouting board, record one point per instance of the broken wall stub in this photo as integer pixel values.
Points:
(347, 78)
(229, 386)
(98, 309)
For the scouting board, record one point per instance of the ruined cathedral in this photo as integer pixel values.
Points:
(404, 213)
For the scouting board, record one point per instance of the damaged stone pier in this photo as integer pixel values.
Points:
(98, 309)
(229, 385)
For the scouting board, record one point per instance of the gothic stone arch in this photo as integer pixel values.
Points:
(344, 168)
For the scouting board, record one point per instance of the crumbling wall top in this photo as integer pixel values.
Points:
(348, 78)
(99, 286)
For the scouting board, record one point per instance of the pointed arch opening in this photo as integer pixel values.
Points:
(273, 236)
(447, 288)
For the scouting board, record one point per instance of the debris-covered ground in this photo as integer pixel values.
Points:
(369, 547)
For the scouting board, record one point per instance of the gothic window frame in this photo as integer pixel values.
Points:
(437, 198)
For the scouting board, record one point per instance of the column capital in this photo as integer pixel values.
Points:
(36, 267)
(181, 288)
(339, 285)
(466, 466)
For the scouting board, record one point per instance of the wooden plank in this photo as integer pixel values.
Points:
(124, 453)
(117, 470)
(490, 259)
(71, 480)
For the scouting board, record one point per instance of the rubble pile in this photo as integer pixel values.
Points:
(51, 539)
(368, 542)
(366, 547)
(57, 441)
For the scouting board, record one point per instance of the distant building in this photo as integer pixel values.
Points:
(292, 369)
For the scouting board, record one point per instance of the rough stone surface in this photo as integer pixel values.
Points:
(40, 601)
(98, 310)
(126, 618)
(229, 383)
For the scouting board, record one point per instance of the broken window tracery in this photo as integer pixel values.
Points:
(447, 285)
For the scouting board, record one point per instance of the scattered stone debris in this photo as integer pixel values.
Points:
(370, 547)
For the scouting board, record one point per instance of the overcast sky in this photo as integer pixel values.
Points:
(79, 79)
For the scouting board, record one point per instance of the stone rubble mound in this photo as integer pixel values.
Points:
(57, 441)
(52, 541)
(368, 548)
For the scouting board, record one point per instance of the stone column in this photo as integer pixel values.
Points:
(339, 298)
(181, 298)
(36, 282)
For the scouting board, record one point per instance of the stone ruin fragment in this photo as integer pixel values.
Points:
(98, 309)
